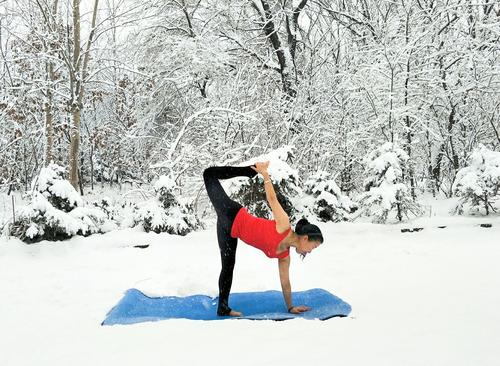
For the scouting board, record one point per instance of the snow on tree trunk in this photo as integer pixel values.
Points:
(284, 54)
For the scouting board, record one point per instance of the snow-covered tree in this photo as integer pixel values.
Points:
(286, 182)
(478, 184)
(325, 199)
(167, 212)
(175, 85)
(385, 190)
(57, 211)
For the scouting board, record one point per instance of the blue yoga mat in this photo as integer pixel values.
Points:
(135, 307)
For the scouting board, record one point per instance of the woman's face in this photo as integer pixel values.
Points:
(305, 246)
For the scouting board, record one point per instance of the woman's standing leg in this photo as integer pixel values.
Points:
(227, 246)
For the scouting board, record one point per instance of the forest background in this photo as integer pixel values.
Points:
(127, 91)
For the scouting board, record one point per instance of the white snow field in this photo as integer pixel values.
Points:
(422, 298)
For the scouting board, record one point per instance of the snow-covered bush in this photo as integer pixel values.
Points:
(56, 189)
(478, 184)
(167, 213)
(251, 193)
(325, 200)
(106, 205)
(385, 190)
(56, 211)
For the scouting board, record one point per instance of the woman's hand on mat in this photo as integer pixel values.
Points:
(235, 313)
(299, 309)
(260, 167)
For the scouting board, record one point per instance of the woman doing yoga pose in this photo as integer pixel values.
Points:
(273, 237)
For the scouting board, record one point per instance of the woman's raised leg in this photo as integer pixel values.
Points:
(220, 200)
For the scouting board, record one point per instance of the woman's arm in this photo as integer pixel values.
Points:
(284, 267)
(279, 214)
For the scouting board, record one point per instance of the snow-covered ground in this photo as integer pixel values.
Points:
(423, 298)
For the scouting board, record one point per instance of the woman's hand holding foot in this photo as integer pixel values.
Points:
(261, 167)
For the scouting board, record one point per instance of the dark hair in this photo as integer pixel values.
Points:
(304, 227)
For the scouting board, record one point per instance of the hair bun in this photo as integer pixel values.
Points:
(303, 221)
(304, 227)
(300, 225)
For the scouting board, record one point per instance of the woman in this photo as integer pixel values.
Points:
(273, 237)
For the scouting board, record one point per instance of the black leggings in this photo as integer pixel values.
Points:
(226, 210)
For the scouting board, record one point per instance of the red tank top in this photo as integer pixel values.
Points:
(259, 233)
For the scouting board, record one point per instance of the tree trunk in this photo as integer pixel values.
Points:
(49, 118)
(411, 173)
(285, 60)
(80, 181)
(78, 76)
(436, 170)
(285, 50)
(391, 128)
(75, 108)
(92, 166)
(74, 148)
